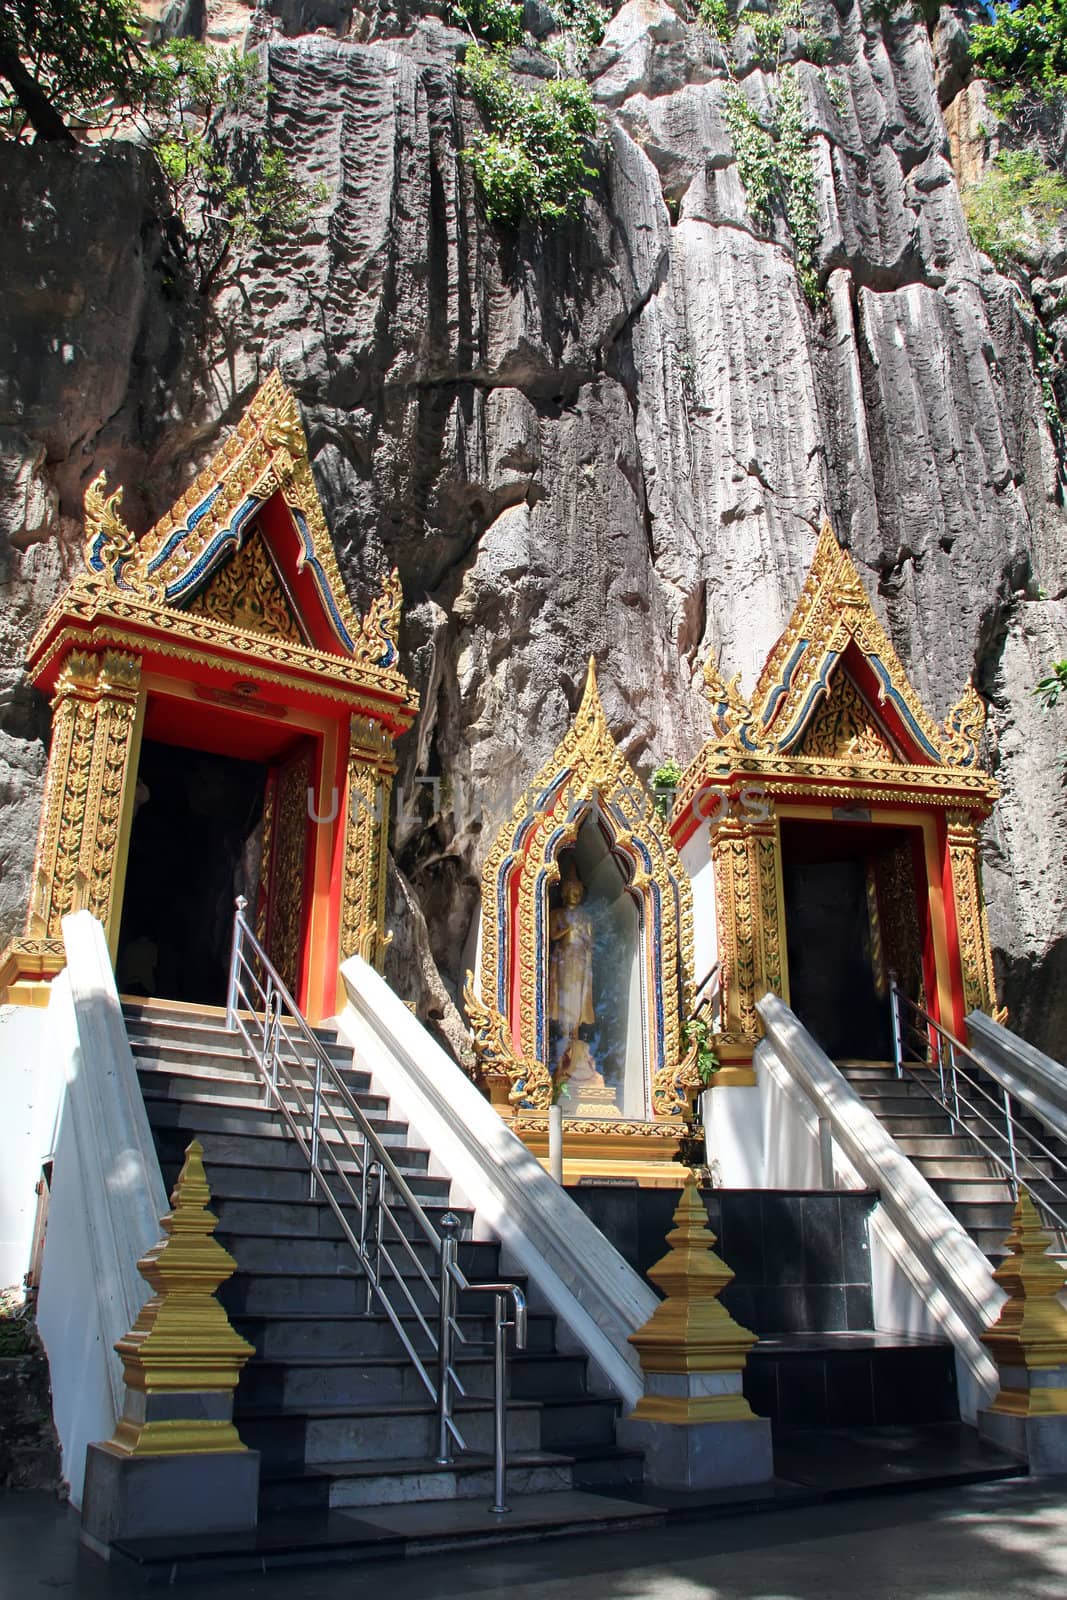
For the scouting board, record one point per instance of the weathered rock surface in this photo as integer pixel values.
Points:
(618, 438)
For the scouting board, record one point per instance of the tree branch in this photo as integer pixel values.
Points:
(44, 118)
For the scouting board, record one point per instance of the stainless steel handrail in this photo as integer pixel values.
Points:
(708, 992)
(919, 1040)
(258, 1007)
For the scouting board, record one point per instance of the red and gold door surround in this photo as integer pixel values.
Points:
(834, 734)
(225, 629)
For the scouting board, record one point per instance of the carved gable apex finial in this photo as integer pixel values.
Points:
(964, 726)
(380, 629)
(107, 538)
(113, 554)
(732, 715)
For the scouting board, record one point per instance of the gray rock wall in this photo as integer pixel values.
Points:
(618, 438)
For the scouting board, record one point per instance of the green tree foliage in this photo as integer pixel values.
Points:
(495, 21)
(1023, 48)
(63, 61)
(530, 163)
(1051, 688)
(233, 187)
(774, 153)
(1014, 207)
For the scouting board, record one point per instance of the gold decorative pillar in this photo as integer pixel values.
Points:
(976, 956)
(1028, 1341)
(182, 1343)
(371, 768)
(88, 801)
(693, 1422)
(175, 1464)
(749, 918)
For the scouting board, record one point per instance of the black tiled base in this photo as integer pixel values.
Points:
(863, 1380)
(800, 1259)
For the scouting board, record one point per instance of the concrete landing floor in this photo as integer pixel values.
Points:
(992, 1541)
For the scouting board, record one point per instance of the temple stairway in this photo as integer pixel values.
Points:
(345, 1431)
(972, 1185)
(330, 1398)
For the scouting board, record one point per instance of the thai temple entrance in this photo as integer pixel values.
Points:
(223, 723)
(585, 983)
(830, 831)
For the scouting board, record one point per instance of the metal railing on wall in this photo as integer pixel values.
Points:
(380, 1217)
(928, 1054)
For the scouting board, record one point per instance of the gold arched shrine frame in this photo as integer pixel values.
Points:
(587, 774)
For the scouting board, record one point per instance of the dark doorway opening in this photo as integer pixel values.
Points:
(852, 920)
(194, 846)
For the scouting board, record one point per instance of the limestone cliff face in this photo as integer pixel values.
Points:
(618, 437)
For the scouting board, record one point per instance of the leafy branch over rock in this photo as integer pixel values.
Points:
(530, 163)
(69, 68)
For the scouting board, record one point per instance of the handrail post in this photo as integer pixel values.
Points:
(315, 1107)
(500, 1414)
(1012, 1157)
(372, 1228)
(446, 1291)
(898, 1042)
(235, 962)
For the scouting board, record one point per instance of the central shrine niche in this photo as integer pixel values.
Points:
(586, 965)
(597, 1053)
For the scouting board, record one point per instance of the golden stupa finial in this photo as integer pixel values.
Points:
(1030, 1333)
(690, 1331)
(182, 1341)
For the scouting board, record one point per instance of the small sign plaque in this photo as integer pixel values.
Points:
(608, 1183)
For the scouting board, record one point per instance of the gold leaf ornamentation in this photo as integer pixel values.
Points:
(843, 727)
(964, 727)
(245, 592)
(530, 1081)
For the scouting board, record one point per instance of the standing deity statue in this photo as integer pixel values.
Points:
(570, 967)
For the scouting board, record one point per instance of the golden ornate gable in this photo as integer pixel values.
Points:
(165, 577)
(586, 770)
(810, 716)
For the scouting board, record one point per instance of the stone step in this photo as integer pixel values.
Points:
(235, 1090)
(302, 1382)
(432, 1192)
(941, 1147)
(350, 1485)
(234, 1180)
(983, 1215)
(932, 1124)
(329, 1328)
(339, 1170)
(252, 1116)
(228, 1051)
(163, 1076)
(231, 1138)
(315, 1220)
(209, 1022)
(376, 1433)
(971, 1190)
(278, 1252)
